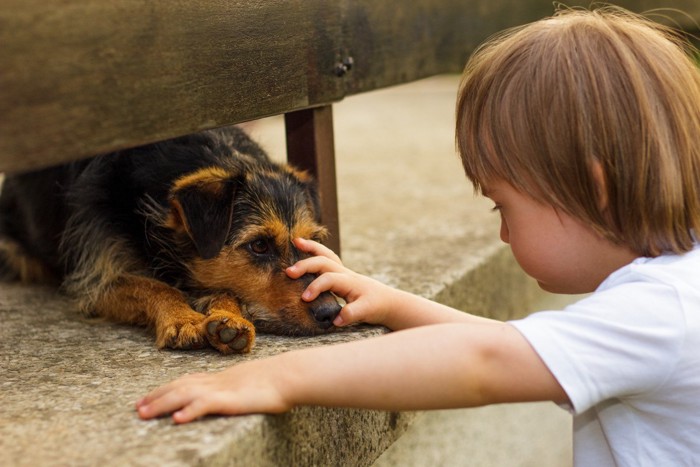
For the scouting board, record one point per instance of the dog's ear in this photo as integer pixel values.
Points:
(202, 205)
(308, 184)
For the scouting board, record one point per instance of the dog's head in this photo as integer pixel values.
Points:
(238, 225)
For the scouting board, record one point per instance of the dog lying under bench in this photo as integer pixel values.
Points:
(188, 236)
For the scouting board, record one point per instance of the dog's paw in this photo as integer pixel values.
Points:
(229, 334)
(180, 334)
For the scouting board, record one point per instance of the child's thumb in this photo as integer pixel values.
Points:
(345, 317)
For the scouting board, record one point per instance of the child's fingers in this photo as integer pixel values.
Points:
(192, 411)
(347, 316)
(154, 395)
(316, 249)
(169, 397)
(163, 404)
(339, 284)
(165, 388)
(313, 265)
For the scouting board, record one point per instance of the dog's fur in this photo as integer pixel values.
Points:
(189, 236)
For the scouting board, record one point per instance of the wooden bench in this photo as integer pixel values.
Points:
(89, 76)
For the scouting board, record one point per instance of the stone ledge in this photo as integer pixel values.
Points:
(407, 217)
(69, 385)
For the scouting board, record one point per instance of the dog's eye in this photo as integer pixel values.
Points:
(259, 246)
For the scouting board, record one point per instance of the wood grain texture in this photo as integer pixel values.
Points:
(81, 77)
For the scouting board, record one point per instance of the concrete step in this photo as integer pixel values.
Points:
(408, 218)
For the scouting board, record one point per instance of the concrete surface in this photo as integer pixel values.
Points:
(408, 218)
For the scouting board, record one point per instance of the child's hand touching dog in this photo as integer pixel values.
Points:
(368, 300)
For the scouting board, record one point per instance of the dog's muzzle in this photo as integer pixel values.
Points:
(324, 309)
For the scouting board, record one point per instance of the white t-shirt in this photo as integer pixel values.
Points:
(628, 357)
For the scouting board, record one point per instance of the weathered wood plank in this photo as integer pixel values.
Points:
(80, 77)
(87, 76)
(91, 76)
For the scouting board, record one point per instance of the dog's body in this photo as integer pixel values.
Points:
(189, 236)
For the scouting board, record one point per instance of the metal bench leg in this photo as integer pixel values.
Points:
(310, 147)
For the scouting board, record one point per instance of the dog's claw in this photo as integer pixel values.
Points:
(192, 345)
(180, 335)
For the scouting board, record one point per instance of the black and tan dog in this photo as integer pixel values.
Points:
(189, 236)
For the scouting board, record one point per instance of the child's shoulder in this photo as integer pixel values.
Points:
(671, 269)
(660, 292)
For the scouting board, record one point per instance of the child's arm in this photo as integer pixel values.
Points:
(368, 300)
(430, 367)
(472, 361)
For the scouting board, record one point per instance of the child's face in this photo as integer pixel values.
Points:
(560, 252)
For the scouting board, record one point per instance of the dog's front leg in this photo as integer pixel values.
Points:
(227, 330)
(140, 300)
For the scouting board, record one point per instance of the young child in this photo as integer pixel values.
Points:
(584, 130)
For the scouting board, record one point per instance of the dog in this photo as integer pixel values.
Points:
(189, 237)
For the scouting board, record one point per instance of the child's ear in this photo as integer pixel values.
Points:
(201, 205)
(601, 186)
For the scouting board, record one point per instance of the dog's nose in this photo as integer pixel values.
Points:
(324, 310)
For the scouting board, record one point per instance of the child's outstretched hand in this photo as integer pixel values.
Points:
(252, 387)
(368, 300)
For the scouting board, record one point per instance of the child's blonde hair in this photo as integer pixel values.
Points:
(595, 112)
